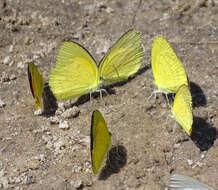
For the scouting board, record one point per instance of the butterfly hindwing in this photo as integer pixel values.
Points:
(182, 108)
(36, 84)
(100, 140)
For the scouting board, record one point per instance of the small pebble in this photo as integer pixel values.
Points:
(2, 104)
(38, 112)
(33, 163)
(71, 113)
(77, 183)
(109, 10)
(54, 120)
(11, 63)
(12, 77)
(177, 145)
(86, 140)
(6, 60)
(63, 125)
(11, 48)
(190, 162)
(20, 65)
(36, 56)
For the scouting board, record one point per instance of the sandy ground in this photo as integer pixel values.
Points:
(39, 152)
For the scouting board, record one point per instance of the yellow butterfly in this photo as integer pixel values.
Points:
(76, 72)
(167, 69)
(100, 140)
(182, 108)
(36, 84)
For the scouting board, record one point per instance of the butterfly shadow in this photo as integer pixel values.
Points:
(116, 159)
(109, 89)
(203, 134)
(198, 97)
(49, 101)
(94, 95)
(122, 83)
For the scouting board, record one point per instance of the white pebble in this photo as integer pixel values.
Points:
(71, 113)
(109, 10)
(63, 125)
(59, 145)
(12, 77)
(77, 183)
(190, 162)
(177, 145)
(54, 120)
(11, 48)
(11, 63)
(20, 65)
(38, 112)
(6, 60)
(86, 140)
(2, 104)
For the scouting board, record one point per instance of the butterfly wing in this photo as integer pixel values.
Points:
(36, 84)
(123, 59)
(182, 108)
(100, 140)
(75, 72)
(181, 182)
(169, 73)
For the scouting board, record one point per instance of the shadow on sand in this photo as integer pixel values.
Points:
(117, 157)
(203, 135)
(198, 97)
(49, 101)
(85, 98)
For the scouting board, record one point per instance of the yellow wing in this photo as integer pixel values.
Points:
(36, 84)
(123, 59)
(75, 72)
(168, 71)
(100, 140)
(182, 108)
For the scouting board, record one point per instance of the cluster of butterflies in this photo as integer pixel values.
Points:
(76, 73)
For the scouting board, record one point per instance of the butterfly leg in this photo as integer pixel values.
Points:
(151, 96)
(90, 96)
(174, 127)
(167, 99)
(101, 92)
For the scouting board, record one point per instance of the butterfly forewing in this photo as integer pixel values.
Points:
(123, 59)
(168, 71)
(75, 72)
